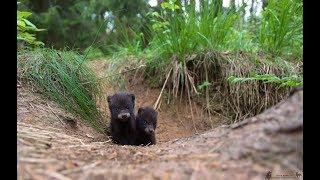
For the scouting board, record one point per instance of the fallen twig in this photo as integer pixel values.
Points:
(56, 175)
(68, 171)
(36, 160)
(155, 106)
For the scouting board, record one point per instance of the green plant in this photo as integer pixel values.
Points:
(241, 39)
(75, 23)
(26, 29)
(63, 77)
(204, 47)
(281, 27)
(288, 81)
(246, 84)
(93, 53)
(184, 32)
(205, 84)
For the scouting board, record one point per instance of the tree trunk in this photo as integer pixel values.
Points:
(264, 4)
(233, 4)
(251, 8)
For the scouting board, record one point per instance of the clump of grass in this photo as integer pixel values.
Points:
(206, 47)
(63, 77)
(289, 81)
(195, 53)
(93, 53)
(281, 27)
(121, 69)
(245, 84)
(129, 45)
(178, 34)
(189, 31)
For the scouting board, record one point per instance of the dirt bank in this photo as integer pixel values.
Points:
(52, 145)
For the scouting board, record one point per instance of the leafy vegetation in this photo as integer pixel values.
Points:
(290, 81)
(26, 29)
(234, 60)
(75, 23)
(213, 47)
(63, 77)
(193, 31)
(281, 27)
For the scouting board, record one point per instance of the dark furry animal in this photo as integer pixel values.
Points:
(122, 124)
(146, 124)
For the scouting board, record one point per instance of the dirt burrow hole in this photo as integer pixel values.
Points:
(175, 120)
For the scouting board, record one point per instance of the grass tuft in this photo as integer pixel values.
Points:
(63, 77)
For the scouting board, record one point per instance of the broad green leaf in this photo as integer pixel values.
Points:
(165, 5)
(171, 6)
(23, 14)
(29, 23)
(21, 23)
(33, 29)
(156, 14)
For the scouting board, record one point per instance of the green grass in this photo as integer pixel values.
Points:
(247, 84)
(281, 27)
(278, 31)
(253, 63)
(63, 77)
(211, 54)
(93, 53)
(185, 34)
(289, 81)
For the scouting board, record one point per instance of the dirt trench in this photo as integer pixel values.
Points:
(50, 146)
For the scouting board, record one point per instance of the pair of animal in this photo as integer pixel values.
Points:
(127, 128)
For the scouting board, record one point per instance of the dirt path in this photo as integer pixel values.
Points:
(50, 147)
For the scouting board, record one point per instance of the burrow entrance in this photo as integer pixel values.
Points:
(175, 120)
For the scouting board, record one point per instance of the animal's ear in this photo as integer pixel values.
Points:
(109, 99)
(140, 110)
(133, 97)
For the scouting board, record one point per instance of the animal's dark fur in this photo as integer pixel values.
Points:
(146, 124)
(122, 124)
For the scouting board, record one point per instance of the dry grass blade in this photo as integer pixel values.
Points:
(155, 106)
(175, 75)
(189, 98)
(191, 81)
(36, 160)
(83, 168)
(56, 175)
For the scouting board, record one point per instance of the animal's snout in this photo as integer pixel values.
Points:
(149, 129)
(124, 115)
